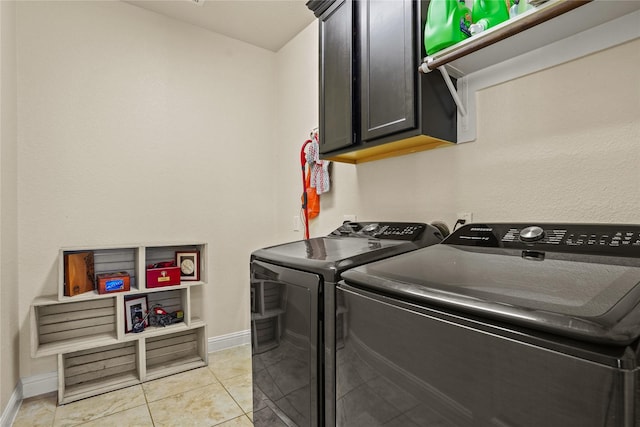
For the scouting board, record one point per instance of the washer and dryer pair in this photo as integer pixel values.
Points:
(497, 325)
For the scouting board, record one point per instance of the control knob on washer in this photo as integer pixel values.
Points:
(371, 229)
(531, 234)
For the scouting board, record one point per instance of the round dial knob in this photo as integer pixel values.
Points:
(370, 228)
(531, 234)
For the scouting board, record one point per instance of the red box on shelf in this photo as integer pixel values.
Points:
(158, 276)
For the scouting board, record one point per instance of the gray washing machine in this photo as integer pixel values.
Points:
(500, 325)
(296, 323)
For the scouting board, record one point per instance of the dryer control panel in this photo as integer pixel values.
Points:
(597, 239)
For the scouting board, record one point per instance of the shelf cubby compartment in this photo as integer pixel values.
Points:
(156, 254)
(170, 300)
(72, 326)
(105, 260)
(97, 370)
(176, 352)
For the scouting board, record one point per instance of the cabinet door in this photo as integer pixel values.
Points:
(336, 83)
(388, 76)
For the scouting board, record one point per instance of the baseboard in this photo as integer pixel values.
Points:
(11, 410)
(39, 384)
(234, 339)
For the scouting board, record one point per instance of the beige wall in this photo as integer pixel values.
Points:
(183, 138)
(562, 144)
(135, 128)
(9, 364)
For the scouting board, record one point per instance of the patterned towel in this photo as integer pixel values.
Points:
(319, 168)
(320, 176)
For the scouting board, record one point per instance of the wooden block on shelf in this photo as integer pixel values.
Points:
(78, 273)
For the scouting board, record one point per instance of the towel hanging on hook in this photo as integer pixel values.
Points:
(315, 179)
(319, 168)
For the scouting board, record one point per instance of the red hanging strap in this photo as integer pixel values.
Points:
(305, 205)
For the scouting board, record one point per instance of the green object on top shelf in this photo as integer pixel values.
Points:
(524, 6)
(448, 23)
(487, 14)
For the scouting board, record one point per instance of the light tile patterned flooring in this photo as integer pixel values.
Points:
(217, 395)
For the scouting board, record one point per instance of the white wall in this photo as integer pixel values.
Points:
(9, 364)
(137, 128)
(562, 144)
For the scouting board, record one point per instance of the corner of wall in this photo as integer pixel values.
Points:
(9, 323)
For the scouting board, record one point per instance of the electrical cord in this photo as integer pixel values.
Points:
(459, 222)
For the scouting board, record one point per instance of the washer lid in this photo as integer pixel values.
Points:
(350, 245)
(570, 292)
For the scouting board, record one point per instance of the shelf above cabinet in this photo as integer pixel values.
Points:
(552, 21)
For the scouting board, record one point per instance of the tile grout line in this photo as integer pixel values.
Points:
(146, 399)
(246, 414)
(229, 393)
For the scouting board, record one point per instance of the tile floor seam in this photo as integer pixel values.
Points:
(242, 413)
(108, 415)
(153, 423)
(234, 399)
(182, 392)
(231, 419)
(231, 394)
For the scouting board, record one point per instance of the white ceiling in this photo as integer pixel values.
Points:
(269, 24)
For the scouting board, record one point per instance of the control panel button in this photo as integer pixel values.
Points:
(393, 230)
(531, 234)
(370, 228)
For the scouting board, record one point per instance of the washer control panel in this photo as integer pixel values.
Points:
(600, 239)
(382, 230)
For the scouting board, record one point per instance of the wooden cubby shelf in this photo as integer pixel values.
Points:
(88, 332)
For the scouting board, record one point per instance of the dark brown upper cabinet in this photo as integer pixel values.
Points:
(373, 101)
